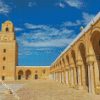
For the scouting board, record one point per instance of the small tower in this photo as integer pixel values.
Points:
(8, 51)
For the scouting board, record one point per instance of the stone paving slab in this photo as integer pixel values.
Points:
(51, 90)
(4, 90)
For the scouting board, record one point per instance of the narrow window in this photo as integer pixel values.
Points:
(3, 67)
(4, 58)
(4, 50)
(3, 77)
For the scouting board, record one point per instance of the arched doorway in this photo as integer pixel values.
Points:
(20, 74)
(82, 50)
(36, 76)
(74, 59)
(27, 74)
(95, 40)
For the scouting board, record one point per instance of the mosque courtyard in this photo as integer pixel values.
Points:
(43, 90)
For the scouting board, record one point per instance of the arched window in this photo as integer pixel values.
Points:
(7, 29)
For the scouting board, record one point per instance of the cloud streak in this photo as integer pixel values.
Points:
(4, 8)
(45, 36)
(72, 3)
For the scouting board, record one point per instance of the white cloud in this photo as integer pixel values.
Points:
(69, 23)
(87, 17)
(48, 43)
(4, 8)
(74, 3)
(26, 51)
(32, 26)
(18, 29)
(61, 5)
(31, 4)
(44, 36)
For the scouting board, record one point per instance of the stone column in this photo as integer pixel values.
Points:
(57, 76)
(79, 77)
(75, 80)
(50, 76)
(54, 76)
(60, 77)
(67, 79)
(72, 77)
(91, 78)
(23, 77)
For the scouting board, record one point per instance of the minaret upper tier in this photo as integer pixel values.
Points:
(7, 31)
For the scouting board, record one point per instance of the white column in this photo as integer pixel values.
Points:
(79, 77)
(72, 77)
(91, 78)
(60, 77)
(67, 77)
(54, 76)
(57, 76)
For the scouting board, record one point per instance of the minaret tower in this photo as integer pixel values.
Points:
(8, 52)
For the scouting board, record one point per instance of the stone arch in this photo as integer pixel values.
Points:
(95, 40)
(63, 60)
(69, 70)
(67, 58)
(20, 74)
(27, 74)
(82, 49)
(74, 59)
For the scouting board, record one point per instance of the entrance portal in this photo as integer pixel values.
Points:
(28, 74)
(36, 76)
(20, 75)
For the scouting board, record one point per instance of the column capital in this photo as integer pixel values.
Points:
(79, 62)
(90, 59)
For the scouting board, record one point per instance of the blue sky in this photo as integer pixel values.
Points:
(44, 28)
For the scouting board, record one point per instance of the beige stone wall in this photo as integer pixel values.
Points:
(42, 72)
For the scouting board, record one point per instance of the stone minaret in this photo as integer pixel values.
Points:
(8, 52)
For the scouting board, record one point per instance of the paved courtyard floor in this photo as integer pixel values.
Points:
(46, 90)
